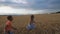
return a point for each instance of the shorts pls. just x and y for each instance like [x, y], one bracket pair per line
[9, 32]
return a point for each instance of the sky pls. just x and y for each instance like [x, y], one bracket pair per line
[29, 6]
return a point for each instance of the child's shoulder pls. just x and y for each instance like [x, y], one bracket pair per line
[8, 22]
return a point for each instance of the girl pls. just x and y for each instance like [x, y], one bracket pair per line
[31, 25]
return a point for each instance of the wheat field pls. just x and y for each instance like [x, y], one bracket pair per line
[45, 24]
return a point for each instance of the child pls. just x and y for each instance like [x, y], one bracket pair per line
[31, 25]
[8, 27]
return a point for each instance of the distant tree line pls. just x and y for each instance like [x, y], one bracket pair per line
[58, 12]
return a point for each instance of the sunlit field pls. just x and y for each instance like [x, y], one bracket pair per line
[45, 24]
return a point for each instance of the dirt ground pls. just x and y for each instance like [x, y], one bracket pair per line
[45, 24]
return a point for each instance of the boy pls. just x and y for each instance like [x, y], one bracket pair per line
[31, 25]
[8, 27]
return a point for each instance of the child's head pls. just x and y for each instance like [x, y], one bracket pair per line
[10, 18]
[32, 17]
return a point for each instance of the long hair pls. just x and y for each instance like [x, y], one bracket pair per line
[32, 17]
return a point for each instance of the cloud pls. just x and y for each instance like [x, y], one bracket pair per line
[34, 4]
[30, 6]
[2, 0]
[6, 10]
[46, 4]
[20, 1]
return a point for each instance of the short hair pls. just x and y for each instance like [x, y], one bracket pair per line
[9, 17]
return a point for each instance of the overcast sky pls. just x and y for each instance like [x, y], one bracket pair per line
[29, 6]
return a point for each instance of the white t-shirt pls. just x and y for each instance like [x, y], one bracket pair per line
[30, 26]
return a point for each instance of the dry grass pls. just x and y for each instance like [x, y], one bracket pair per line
[45, 24]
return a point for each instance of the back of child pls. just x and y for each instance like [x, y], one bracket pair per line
[31, 25]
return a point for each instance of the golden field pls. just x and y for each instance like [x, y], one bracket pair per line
[45, 24]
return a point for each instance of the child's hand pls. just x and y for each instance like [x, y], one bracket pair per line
[14, 28]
